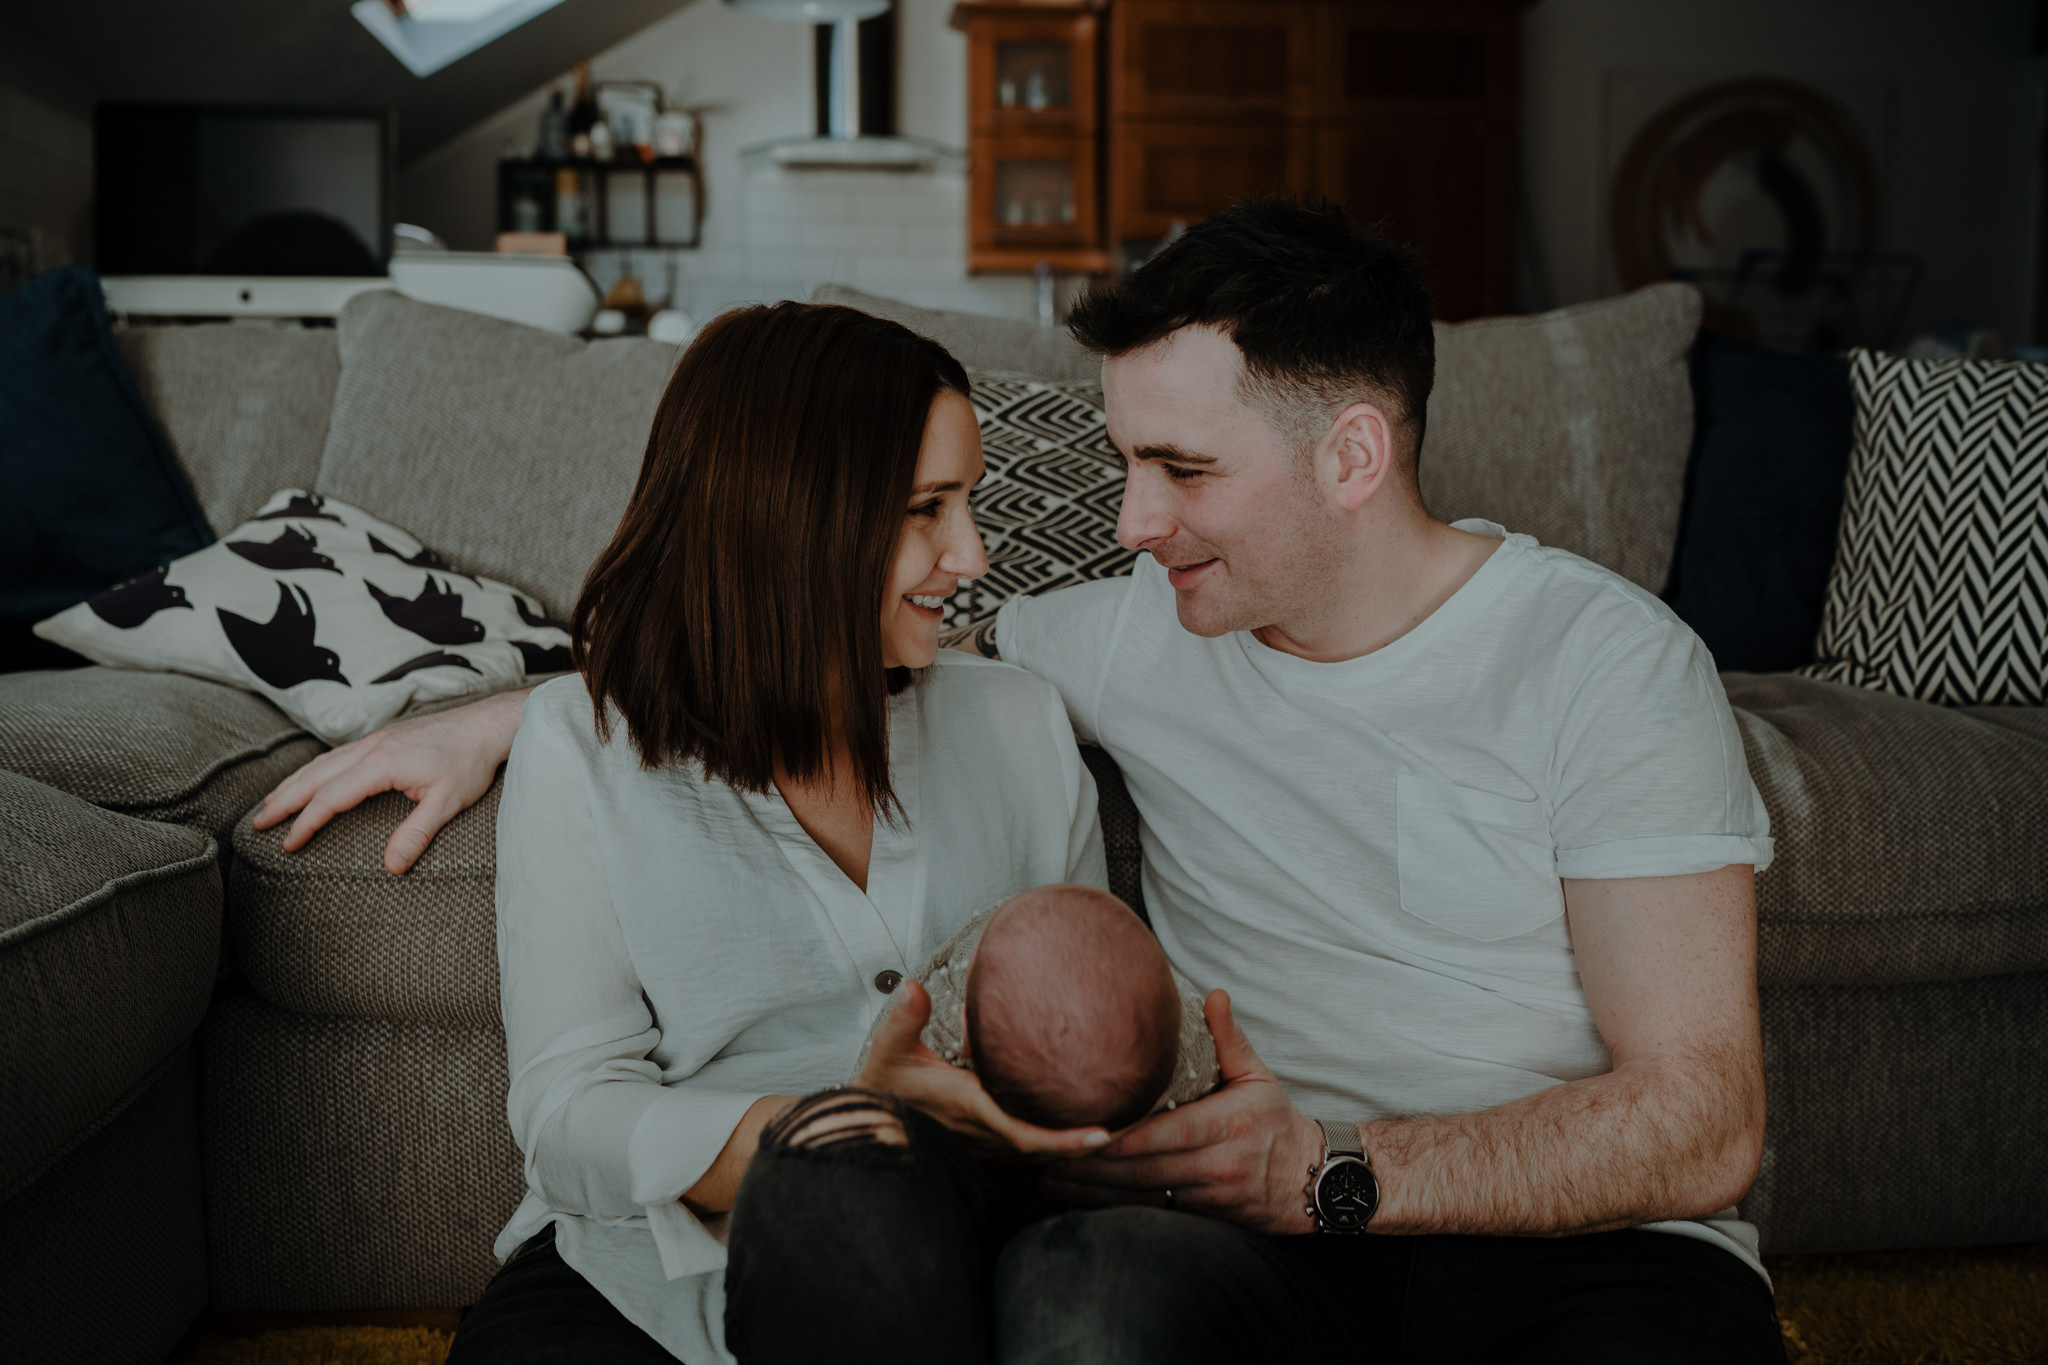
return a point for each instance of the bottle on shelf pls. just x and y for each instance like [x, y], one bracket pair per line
[554, 129]
[571, 216]
[582, 113]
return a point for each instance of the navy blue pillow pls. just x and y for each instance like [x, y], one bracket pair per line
[1763, 497]
[90, 494]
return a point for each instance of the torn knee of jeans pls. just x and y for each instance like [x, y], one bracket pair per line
[840, 1122]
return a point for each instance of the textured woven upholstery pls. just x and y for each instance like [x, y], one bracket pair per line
[1912, 839]
[351, 1163]
[327, 930]
[158, 746]
[510, 450]
[109, 932]
[1572, 426]
[1119, 818]
[103, 1256]
[1903, 1116]
[244, 407]
[978, 341]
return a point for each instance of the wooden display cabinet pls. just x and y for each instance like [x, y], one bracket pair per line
[1210, 59]
[1164, 174]
[1402, 110]
[1034, 102]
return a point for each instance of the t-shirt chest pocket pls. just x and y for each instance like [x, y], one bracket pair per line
[1475, 863]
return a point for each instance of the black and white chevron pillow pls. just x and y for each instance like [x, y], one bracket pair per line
[1940, 585]
[344, 621]
[1047, 507]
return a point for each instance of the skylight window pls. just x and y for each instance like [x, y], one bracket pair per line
[427, 35]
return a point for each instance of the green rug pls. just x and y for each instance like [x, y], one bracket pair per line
[1980, 1307]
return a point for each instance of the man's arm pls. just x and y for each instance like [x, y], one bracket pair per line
[1675, 1130]
[976, 639]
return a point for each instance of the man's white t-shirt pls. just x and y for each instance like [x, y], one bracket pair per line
[1367, 853]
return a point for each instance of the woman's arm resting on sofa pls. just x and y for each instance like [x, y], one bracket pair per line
[1675, 1130]
[444, 761]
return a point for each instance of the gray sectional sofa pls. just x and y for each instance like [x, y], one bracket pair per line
[275, 1081]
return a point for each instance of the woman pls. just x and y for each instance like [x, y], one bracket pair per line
[762, 800]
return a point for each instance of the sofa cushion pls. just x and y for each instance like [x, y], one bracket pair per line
[1047, 507]
[1572, 426]
[327, 930]
[158, 746]
[1941, 587]
[1912, 839]
[344, 622]
[89, 492]
[510, 450]
[1763, 500]
[351, 1163]
[243, 405]
[978, 341]
[109, 932]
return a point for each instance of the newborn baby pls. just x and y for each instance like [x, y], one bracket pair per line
[1062, 1002]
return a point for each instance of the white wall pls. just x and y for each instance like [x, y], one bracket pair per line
[766, 235]
[1959, 154]
[45, 155]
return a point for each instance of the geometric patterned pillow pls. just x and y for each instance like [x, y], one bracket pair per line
[1940, 585]
[343, 621]
[1047, 507]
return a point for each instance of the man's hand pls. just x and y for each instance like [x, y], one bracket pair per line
[1242, 1154]
[444, 761]
[901, 1065]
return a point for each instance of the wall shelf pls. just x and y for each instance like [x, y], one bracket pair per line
[530, 191]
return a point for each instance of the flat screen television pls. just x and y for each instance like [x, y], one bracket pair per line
[223, 190]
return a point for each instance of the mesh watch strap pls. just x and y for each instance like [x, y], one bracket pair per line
[1342, 1139]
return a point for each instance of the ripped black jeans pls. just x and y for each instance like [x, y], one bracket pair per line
[865, 1232]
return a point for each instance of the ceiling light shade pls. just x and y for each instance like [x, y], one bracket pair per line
[430, 34]
[811, 11]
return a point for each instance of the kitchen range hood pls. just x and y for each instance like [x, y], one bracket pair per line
[856, 94]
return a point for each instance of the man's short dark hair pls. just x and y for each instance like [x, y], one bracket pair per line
[1325, 312]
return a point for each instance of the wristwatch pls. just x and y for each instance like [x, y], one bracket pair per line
[1342, 1192]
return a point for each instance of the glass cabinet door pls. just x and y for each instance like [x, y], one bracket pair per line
[1034, 194]
[1035, 76]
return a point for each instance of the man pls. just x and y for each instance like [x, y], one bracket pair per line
[1464, 826]
[1461, 825]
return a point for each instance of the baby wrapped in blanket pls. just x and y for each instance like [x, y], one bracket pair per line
[1062, 1003]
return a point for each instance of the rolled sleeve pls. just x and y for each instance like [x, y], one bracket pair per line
[1650, 778]
[679, 1134]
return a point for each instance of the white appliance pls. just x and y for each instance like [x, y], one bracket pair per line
[541, 291]
[235, 296]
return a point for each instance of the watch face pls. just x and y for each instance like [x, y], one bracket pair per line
[1347, 1195]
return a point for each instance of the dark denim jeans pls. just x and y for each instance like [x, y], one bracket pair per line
[873, 1236]
[538, 1311]
[867, 1233]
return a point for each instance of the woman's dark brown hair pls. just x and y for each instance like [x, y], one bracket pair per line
[734, 619]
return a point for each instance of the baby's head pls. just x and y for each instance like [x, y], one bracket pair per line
[1073, 1019]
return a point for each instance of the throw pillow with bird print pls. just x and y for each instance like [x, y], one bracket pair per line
[341, 619]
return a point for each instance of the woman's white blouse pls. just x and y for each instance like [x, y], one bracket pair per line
[671, 949]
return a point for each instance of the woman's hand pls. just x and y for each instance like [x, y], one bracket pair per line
[444, 761]
[900, 1064]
